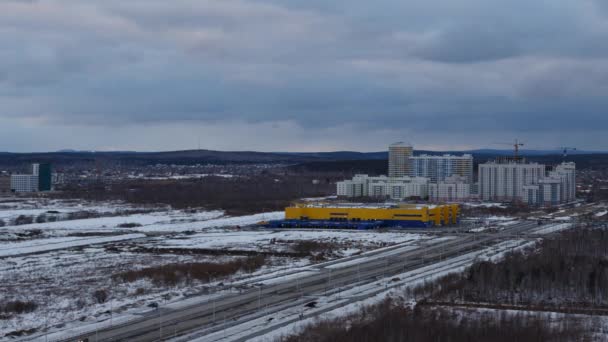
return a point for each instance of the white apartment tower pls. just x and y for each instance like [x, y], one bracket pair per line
[438, 168]
[505, 181]
[527, 182]
[566, 173]
[399, 160]
[35, 169]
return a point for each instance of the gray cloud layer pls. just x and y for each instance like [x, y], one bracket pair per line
[470, 69]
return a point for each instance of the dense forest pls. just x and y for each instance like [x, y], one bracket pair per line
[394, 322]
[568, 270]
[237, 195]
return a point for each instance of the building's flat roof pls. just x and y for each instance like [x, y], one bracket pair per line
[369, 205]
[443, 156]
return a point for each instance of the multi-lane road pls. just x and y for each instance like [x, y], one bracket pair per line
[234, 308]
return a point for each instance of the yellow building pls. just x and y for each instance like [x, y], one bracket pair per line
[406, 215]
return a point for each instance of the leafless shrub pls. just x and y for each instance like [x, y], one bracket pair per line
[173, 274]
[311, 246]
[18, 307]
[19, 333]
[100, 296]
[129, 225]
[42, 218]
[24, 219]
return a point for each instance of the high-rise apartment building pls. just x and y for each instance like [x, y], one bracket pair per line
[505, 181]
[566, 173]
[438, 168]
[43, 171]
[527, 182]
[399, 159]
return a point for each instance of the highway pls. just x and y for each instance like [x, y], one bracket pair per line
[230, 309]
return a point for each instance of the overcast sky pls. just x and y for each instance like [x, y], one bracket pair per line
[313, 75]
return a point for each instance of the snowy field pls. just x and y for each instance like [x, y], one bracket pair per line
[13, 207]
[349, 241]
[59, 265]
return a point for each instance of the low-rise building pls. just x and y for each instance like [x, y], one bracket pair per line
[549, 192]
[24, 183]
[397, 188]
[454, 188]
[313, 215]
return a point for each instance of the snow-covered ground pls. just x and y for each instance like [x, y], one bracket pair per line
[185, 176]
[67, 261]
[47, 245]
[169, 220]
[11, 208]
[59, 265]
[62, 283]
[553, 228]
[484, 205]
[161, 221]
[351, 241]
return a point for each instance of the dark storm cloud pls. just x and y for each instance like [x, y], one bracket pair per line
[466, 66]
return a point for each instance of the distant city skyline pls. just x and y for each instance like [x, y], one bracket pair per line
[269, 75]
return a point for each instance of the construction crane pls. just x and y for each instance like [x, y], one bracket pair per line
[565, 151]
[516, 146]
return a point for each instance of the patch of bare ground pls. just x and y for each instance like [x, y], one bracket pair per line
[7, 309]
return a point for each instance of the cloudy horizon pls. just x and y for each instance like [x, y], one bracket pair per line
[267, 75]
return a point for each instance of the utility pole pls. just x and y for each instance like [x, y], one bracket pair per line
[385, 267]
[160, 323]
[329, 280]
[259, 297]
[111, 319]
[46, 327]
